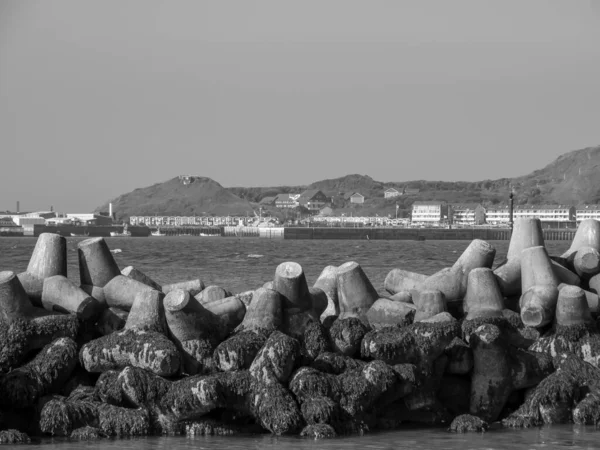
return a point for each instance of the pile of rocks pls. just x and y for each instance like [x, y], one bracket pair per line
[120, 355]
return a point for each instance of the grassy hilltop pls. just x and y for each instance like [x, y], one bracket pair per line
[573, 178]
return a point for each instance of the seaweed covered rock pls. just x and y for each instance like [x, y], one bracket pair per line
[320, 410]
[276, 360]
[143, 349]
[197, 356]
[499, 369]
[275, 408]
[141, 387]
[419, 344]
[314, 342]
[193, 397]
[116, 421]
[318, 431]
[13, 437]
[20, 336]
[108, 388]
[212, 427]
[238, 352]
[307, 383]
[346, 335]
[46, 373]
[59, 417]
[587, 411]
[553, 399]
[466, 423]
[335, 363]
[87, 433]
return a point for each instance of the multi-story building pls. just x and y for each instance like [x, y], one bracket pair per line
[466, 214]
[550, 215]
[429, 212]
[313, 200]
[177, 221]
[497, 215]
[584, 212]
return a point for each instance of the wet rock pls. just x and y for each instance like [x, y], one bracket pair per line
[108, 388]
[276, 360]
[197, 356]
[320, 410]
[238, 352]
[116, 421]
[276, 409]
[13, 437]
[455, 394]
[46, 373]
[315, 341]
[419, 344]
[83, 393]
[587, 411]
[211, 427]
[143, 349]
[468, 423]
[87, 433]
[20, 337]
[141, 387]
[335, 363]
[318, 431]
[553, 399]
[308, 382]
[59, 417]
[346, 335]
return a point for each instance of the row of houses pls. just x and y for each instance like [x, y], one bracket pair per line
[314, 199]
[439, 212]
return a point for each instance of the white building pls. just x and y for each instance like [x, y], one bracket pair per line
[429, 212]
[391, 192]
[587, 212]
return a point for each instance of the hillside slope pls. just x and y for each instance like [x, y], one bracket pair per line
[202, 196]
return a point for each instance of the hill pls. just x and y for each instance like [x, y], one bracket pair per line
[180, 196]
[570, 179]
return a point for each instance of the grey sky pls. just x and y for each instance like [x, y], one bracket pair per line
[98, 98]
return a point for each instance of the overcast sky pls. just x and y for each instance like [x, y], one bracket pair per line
[98, 98]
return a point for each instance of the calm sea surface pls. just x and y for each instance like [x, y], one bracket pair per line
[243, 264]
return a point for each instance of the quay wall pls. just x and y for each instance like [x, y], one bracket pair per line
[487, 234]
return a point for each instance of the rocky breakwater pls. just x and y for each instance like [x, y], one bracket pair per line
[120, 355]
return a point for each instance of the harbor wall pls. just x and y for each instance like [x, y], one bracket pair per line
[91, 230]
[487, 234]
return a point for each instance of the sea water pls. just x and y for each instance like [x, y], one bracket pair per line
[247, 263]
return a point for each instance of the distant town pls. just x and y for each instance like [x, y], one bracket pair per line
[313, 207]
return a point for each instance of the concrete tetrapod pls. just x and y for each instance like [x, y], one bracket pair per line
[386, 312]
[264, 314]
[587, 235]
[138, 275]
[356, 294]
[526, 233]
[147, 312]
[327, 282]
[483, 298]
[14, 301]
[290, 282]
[231, 310]
[194, 287]
[62, 295]
[586, 262]
[498, 370]
[539, 287]
[452, 281]
[121, 291]
[96, 263]
[592, 299]
[429, 303]
[194, 329]
[572, 307]
[398, 280]
[49, 258]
